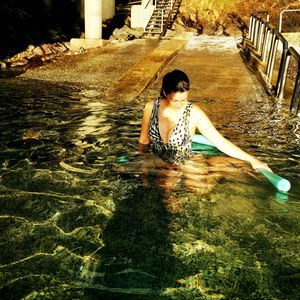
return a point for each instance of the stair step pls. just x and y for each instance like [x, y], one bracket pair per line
[153, 32]
[153, 27]
[162, 12]
[163, 7]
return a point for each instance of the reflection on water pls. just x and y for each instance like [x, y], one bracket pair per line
[78, 224]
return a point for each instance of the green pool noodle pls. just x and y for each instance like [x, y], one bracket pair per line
[280, 183]
[200, 139]
[204, 146]
[281, 197]
[122, 159]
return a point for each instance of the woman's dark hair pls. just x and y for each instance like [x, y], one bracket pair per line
[173, 82]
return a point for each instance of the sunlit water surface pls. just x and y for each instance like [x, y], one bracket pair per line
[84, 215]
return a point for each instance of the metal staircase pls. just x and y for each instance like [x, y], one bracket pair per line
[162, 18]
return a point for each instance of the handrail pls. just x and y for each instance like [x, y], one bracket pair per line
[293, 51]
[162, 20]
[133, 2]
[146, 9]
[256, 12]
[295, 103]
[258, 30]
[264, 40]
[281, 79]
[148, 4]
[281, 14]
[166, 23]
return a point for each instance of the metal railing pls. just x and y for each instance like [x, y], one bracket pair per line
[281, 14]
[295, 103]
[147, 4]
[276, 38]
[161, 17]
[169, 17]
[265, 41]
[257, 26]
[149, 9]
[165, 14]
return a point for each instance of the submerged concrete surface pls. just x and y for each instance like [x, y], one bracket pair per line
[77, 223]
[221, 83]
[98, 68]
[144, 72]
[124, 70]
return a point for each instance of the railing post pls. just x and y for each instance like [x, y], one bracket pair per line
[250, 27]
[282, 74]
[273, 58]
[253, 29]
[295, 103]
[260, 36]
[256, 33]
[266, 44]
[265, 41]
[272, 55]
[162, 21]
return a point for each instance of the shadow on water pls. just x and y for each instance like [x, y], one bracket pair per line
[77, 224]
[138, 255]
[70, 226]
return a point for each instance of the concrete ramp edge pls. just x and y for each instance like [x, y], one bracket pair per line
[144, 72]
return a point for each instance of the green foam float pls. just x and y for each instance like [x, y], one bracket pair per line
[122, 159]
[199, 143]
[204, 146]
[280, 183]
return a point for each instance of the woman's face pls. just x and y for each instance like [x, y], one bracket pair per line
[178, 99]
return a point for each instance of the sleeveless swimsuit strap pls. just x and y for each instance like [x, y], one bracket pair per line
[153, 129]
[179, 135]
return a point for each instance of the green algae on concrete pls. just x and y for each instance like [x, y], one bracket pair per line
[144, 72]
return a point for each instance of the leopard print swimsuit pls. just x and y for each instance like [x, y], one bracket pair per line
[178, 147]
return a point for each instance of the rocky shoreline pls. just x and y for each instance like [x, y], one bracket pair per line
[35, 56]
[218, 18]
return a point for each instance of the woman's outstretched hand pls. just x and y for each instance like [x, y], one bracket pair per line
[257, 165]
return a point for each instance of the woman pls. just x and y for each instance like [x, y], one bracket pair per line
[170, 121]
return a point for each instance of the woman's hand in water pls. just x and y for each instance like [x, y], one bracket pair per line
[257, 165]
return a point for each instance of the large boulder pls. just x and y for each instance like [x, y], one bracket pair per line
[126, 34]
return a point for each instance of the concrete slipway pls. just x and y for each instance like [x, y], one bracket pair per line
[123, 70]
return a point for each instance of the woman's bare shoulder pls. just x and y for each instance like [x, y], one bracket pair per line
[149, 105]
[197, 110]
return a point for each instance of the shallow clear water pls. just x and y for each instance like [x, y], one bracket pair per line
[78, 222]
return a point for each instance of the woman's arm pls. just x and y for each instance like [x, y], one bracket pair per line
[205, 126]
[144, 135]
